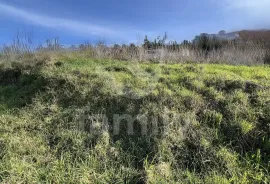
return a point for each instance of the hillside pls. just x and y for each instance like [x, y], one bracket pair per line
[200, 123]
[260, 36]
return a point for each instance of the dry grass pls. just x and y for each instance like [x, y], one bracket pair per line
[234, 54]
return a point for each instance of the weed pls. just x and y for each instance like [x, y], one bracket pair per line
[211, 123]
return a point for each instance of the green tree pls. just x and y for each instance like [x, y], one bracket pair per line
[146, 43]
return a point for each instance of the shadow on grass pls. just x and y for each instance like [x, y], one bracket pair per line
[137, 146]
[17, 89]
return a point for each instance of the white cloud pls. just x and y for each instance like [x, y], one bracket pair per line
[246, 14]
[259, 8]
[79, 27]
[249, 3]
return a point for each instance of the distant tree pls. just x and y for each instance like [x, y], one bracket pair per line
[146, 43]
[185, 42]
[116, 46]
[132, 45]
[161, 42]
[157, 43]
[165, 37]
[124, 46]
[207, 43]
[132, 48]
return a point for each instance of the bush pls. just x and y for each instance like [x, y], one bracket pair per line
[267, 59]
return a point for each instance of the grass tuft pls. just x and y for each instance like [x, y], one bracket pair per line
[204, 123]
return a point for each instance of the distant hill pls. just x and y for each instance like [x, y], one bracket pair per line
[262, 35]
[255, 35]
[223, 35]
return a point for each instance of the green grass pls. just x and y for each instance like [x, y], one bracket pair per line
[213, 123]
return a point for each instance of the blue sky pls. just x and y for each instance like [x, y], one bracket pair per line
[124, 21]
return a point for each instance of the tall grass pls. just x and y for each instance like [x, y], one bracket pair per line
[235, 54]
[213, 123]
[212, 120]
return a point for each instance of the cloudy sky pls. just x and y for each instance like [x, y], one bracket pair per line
[123, 21]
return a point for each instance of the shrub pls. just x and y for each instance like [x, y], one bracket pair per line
[267, 59]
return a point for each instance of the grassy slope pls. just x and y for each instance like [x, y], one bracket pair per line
[226, 140]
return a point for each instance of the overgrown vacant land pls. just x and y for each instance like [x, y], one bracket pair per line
[213, 123]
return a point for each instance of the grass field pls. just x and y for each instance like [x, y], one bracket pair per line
[213, 123]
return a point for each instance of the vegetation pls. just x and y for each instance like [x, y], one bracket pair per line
[160, 112]
[251, 48]
[213, 121]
